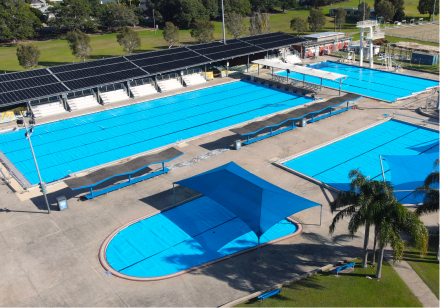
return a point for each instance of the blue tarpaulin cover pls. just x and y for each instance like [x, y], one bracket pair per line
[258, 203]
[409, 172]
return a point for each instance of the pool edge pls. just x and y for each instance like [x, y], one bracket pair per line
[102, 250]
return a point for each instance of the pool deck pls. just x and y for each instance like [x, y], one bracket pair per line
[52, 260]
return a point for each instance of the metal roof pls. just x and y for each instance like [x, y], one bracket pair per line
[322, 34]
[301, 69]
[31, 85]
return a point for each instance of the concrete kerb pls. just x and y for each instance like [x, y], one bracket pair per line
[308, 274]
[107, 266]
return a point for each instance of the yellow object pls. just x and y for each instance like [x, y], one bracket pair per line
[209, 75]
[8, 116]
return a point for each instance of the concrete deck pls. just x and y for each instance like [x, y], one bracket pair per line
[52, 260]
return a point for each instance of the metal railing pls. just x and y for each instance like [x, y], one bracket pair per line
[140, 82]
[192, 71]
[111, 87]
[167, 77]
[46, 100]
[81, 93]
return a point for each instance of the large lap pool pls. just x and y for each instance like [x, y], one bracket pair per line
[382, 85]
[186, 236]
[84, 142]
[332, 163]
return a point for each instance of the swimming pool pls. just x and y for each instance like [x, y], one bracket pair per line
[183, 237]
[84, 142]
[382, 85]
[332, 163]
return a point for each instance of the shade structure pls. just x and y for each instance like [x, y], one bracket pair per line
[409, 172]
[255, 201]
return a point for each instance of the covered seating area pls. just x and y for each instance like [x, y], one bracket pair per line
[302, 70]
[129, 168]
[280, 123]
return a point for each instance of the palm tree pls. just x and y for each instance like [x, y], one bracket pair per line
[392, 219]
[362, 202]
[431, 198]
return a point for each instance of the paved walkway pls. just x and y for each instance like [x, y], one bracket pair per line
[414, 282]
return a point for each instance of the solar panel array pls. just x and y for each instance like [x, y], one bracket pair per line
[30, 85]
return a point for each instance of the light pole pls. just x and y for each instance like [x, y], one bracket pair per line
[42, 184]
[223, 21]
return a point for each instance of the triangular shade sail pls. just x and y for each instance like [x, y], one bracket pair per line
[258, 203]
[409, 172]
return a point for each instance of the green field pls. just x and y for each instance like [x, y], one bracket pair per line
[57, 52]
[428, 267]
[348, 290]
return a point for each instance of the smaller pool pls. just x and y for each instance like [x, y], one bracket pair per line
[186, 236]
[378, 84]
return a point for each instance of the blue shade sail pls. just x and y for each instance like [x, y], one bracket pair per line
[256, 202]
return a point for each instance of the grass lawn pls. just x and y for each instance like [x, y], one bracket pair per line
[57, 52]
[428, 267]
[347, 290]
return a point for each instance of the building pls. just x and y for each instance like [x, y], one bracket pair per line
[319, 44]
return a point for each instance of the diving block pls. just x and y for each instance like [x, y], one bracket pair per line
[127, 169]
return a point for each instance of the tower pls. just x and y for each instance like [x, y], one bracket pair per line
[374, 33]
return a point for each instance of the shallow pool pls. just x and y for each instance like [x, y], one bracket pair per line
[189, 235]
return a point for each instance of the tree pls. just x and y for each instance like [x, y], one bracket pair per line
[393, 219]
[316, 19]
[430, 192]
[171, 34]
[211, 7]
[298, 24]
[399, 9]
[361, 201]
[259, 24]
[287, 4]
[234, 24]
[180, 12]
[427, 7]
[73, 14]
[17, 22]
[111, 14]
[139, 13]
[360, 12]
[28, 55]
[385, 9]
[79, 44]
[203, 31]
[42, 17]
[129, 39]
[242, 7]
[341, 15]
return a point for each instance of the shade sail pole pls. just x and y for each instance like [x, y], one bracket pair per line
[381, 166]
[259, 256]
[340, 81]
[174, 193]
[320, 219]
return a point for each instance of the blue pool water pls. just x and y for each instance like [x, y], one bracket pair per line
[80, 143]
[331, 164]
[191, 234]
[382, 85]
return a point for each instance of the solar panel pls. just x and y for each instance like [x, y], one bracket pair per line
[260, 36]
[222, 48]
[104, 79]
[26, 83]
[278, 44]
[152, 54]
[30, 94]
[85, 65]
[23, 75]
[213, 44]
[95, 71]
[166, 58]
[176, 65]
[234, 53]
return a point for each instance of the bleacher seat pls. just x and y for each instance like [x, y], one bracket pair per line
[168, 85]
[143, 90]
[114, 96]
[49, 109]
[193, 79]
[82, 102]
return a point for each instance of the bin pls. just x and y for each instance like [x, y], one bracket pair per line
[62, 203]
[237, 144]
[302, 122]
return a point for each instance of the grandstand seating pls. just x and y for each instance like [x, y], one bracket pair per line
[143, 90]
[45, 110]
[168, 85]
[114, 96]
[82, 102]
[193, 79]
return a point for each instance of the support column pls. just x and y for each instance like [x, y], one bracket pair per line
[321, 85]
[258, 66]
[320, 217]
[304, 80]
[248, 65]
[371, 54]
[340, 81]
[361, 49]
[381, 166]
[272, 72]
[316, 51]
[206, 78]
